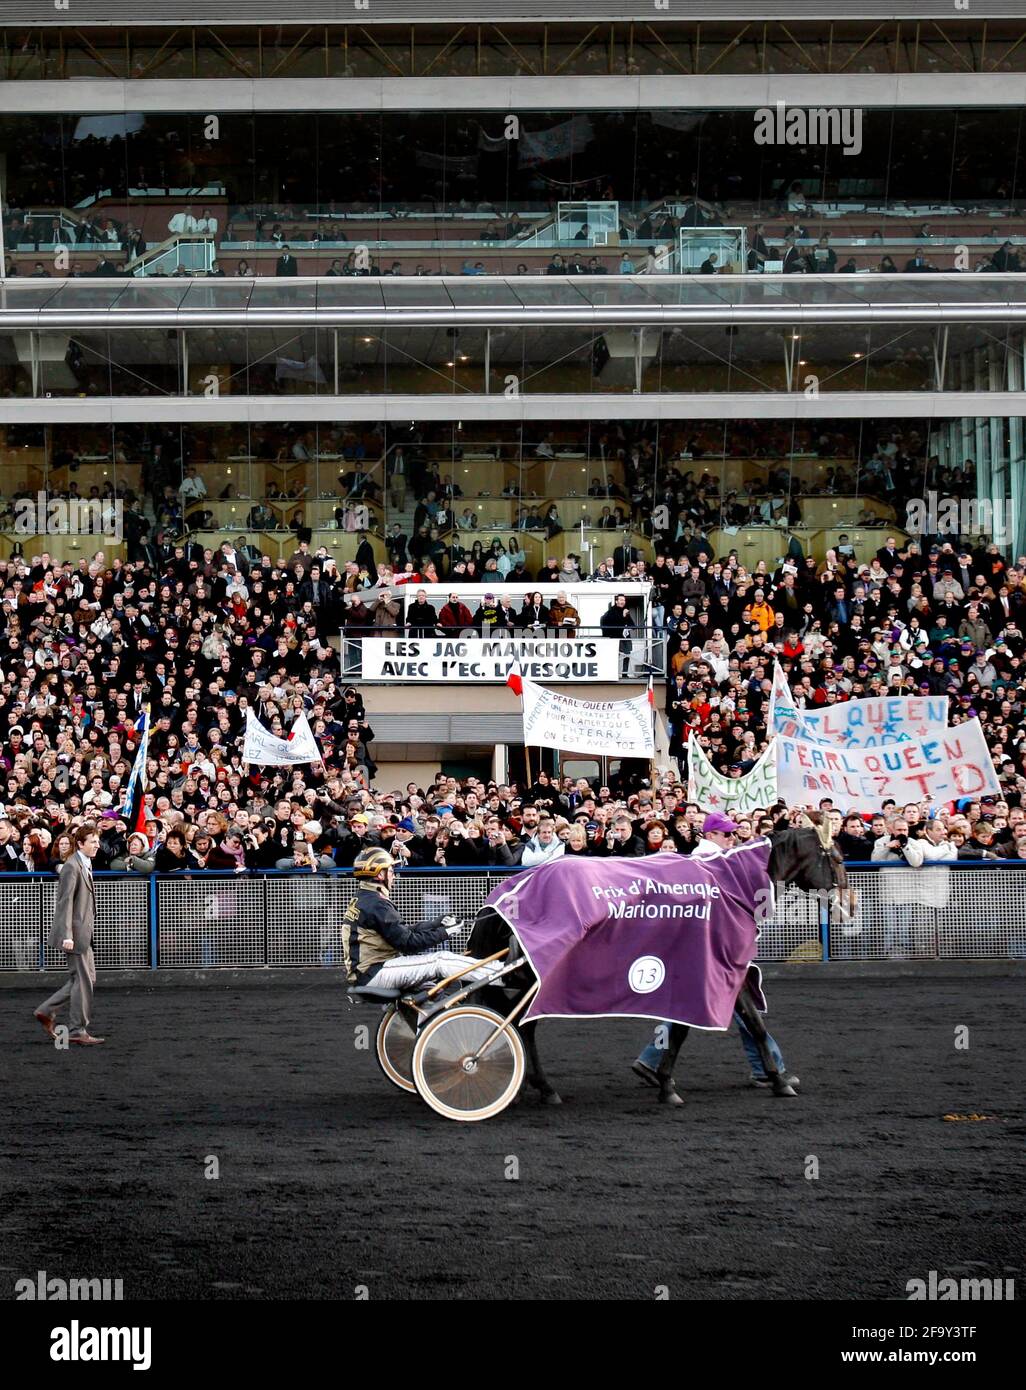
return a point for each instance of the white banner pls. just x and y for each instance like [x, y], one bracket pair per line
[489, 659]
[875, 722]
[617, 728]
[755, 791]
[954, 764]
[267, 750]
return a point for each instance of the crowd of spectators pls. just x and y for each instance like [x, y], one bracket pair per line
[203, 636]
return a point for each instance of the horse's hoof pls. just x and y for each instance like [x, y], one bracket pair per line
[670, 1098]
[787, 1092]
[550, 1098]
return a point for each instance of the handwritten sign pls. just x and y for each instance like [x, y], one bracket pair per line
[617, 728]
[954, 764]
[267, 750]
[756, 791]
[870, 723]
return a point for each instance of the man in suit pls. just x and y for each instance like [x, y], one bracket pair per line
[624, 556]
[314, 590]
[74, 912]
[888, 554]
[286, 263]
[918, 264]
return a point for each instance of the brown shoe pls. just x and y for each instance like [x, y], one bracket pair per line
[86, 1040]
[47, 1021]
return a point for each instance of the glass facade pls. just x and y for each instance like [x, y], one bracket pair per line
[496, 464]
[465, 192]
[460, 490]
[510, 364]
[850, 46]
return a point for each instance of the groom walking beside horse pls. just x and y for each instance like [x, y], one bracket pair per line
[719, 835]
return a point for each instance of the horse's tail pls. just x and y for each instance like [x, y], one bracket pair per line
[490, 933]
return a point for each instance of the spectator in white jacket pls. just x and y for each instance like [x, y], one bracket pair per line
[193, 488]
[913, 897]
[183, 223]
[543, 847]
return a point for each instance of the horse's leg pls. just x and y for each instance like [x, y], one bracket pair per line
[547, 1093]
[667, 1087]
[753, 1022]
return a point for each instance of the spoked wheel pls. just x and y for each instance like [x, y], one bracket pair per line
[453, 1078]
[395, 1049]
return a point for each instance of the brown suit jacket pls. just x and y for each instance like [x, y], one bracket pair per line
[74, 908]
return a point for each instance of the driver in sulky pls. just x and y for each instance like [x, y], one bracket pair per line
[380, 950]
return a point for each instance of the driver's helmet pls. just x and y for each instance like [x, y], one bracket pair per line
[373, 864]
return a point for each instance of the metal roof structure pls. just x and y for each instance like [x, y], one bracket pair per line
[440, 12]
[533, 301]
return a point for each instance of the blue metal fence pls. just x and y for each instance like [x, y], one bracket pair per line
[252, 919]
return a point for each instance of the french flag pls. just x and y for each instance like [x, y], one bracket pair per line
[134, 808]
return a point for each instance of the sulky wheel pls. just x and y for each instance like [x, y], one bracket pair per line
[395, 1049]
[453, 1078]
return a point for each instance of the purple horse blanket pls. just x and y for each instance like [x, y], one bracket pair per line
[664, 937]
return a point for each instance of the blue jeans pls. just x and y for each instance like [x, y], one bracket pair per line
[653, 1054]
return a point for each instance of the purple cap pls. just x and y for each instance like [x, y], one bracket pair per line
[715, 820]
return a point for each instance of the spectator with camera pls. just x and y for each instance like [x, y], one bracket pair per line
[912, 898]
[304, 851]
[543, 847]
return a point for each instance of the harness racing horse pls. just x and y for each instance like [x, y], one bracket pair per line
[805, 857]
[492, 933]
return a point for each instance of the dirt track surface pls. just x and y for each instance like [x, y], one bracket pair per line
[331, 1179]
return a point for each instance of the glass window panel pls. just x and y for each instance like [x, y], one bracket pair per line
[75, 364]
[145, 362]
[218, 294]
[835, 356]
[218, 361]
[282, 293]
[15, 374]
[558, 360]
[154, 294]
[412, 293]
[474, 291]
[901, 358]
[359, 293]
[288, 361]
[15, 294]
[423, 360]
[361, 361]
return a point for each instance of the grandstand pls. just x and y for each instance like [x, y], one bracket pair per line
[489, 297]
[358, 356]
